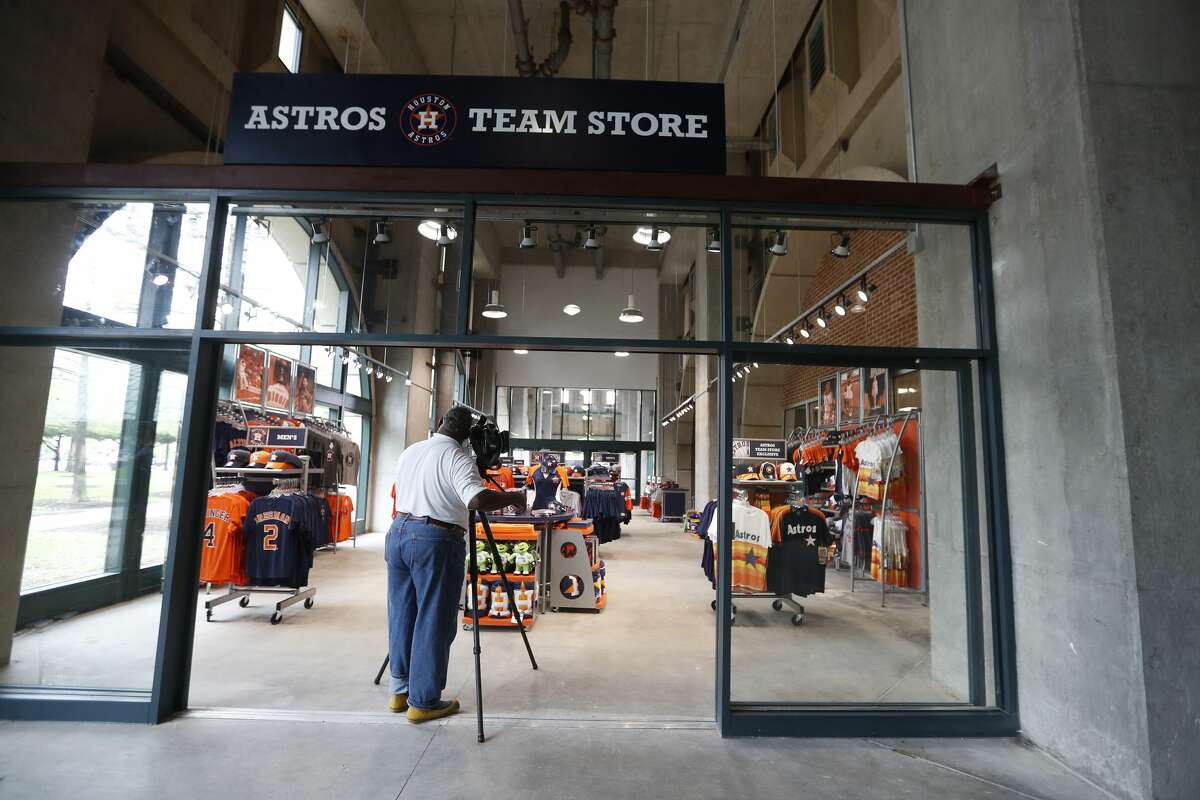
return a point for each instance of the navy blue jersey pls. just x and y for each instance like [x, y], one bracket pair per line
[796, 563]
[279, 535]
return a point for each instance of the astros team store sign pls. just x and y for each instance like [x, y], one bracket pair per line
[436, 121]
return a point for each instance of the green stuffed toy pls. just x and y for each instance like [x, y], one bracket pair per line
[523, 558]
[483, 559]
[505, 559]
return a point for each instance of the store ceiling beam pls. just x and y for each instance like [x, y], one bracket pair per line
[944, 202]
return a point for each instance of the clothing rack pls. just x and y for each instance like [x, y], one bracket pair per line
[281, 479]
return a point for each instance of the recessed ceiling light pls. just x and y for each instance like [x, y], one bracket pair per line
[160, 280]
[521, 351]
[571, 309]
[621, 354]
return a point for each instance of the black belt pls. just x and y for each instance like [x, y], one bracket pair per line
[430, 520]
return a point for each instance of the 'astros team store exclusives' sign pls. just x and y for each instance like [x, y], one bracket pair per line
[435, 121]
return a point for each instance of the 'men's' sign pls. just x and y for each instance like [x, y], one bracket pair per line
[435, 121]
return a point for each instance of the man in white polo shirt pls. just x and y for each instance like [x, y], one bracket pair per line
[437, 483]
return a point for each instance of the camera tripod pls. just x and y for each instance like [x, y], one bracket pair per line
[474, 601]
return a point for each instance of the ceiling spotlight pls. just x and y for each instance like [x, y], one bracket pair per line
[592, 242]
[839, 307]
[778, 246]
[227, 308]
[822, 320]
[494, 310]
[528, 237]
[621, 354]
[160, 280]
[655, 244]
[383, 233]
[571, 309]
[631, 313]
[644, 234]
[842, 247]
[788, 338]
[407, 380]
[379, 372]
[521, 351]
[320, 234]
[756, 365]
[864, 290]
[388, 378]
[804, 331]
[437, 231]
[714, 240]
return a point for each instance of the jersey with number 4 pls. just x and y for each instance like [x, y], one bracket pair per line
[279, 540]
[223, 542]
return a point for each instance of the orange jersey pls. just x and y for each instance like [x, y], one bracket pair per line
[503, 477]
[223, 546]
[341, 516]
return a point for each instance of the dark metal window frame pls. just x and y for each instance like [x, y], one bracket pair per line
[961, 205]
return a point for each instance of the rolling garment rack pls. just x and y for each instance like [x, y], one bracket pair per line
[280, 478]
[778, 600]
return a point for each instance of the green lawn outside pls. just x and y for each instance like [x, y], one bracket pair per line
[54, 488]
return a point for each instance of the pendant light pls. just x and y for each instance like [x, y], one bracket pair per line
[528, 237]
[779, 246]
[592, 242]
[655, 245]
[841, 248]
[714, 240]
[383, 233]
[437, 231]
[320, 234]
[631, 313]
[643, 234]
[494, 310]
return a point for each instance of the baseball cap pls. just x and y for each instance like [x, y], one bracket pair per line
[239, 457]
[284, 460]
[259, 458]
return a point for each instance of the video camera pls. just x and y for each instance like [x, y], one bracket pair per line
[488, 442]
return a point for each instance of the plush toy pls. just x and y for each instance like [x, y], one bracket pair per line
[524, 599]
[499, 603]
[523, 558]
[478, 597]
[482, 558]
[505, 563]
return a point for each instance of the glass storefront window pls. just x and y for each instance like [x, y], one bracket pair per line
[327, 310]
[549, 420]
[559, 413]
[601, 421]
[575, 413]
[522, 412]
[628, 419]
[168, 429]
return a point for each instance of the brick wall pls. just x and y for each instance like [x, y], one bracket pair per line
[890, 319]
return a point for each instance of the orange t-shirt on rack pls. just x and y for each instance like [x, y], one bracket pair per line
[341, 516]
[223, 546]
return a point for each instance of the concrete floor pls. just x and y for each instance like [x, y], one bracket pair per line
[387, 758]
[648, 655]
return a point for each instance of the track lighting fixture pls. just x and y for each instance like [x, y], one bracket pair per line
[407, 380]
[822, 320]
[841, 247]
[160, 280]
[320, 234]
[345, 358]
[756, 365]
[571, 309]
[226, 308]
[804, 329]
[379, 372]
[788, 338]
[383, 233]
[714, 240]
[864, 290]
[388, 378]
[839, 306]
[778, 246]
[494, 309]
[592, 242]
[631, 313]
[528, 236]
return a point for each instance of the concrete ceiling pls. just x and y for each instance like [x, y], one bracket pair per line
[744, 44]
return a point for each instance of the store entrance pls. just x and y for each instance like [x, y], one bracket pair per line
[613, 590]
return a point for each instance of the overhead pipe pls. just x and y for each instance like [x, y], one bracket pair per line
[603, 35]
[555, 243]
[524, 58]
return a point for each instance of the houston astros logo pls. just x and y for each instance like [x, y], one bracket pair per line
[428, 119]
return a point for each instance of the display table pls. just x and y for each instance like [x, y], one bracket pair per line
[543, 525]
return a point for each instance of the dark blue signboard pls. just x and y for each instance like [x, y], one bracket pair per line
[439, 121]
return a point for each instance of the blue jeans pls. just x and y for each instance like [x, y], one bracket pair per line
[425, 577]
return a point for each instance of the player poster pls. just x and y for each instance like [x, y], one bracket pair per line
[306, 390]
[827, 391]
[850, 386]
[875, 398]
[248, 375]
[279, 384]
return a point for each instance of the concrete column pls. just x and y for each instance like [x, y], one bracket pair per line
[1090, 114]
[48, 118]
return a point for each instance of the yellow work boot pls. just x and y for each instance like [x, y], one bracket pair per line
[444, 708]
[398, 702]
